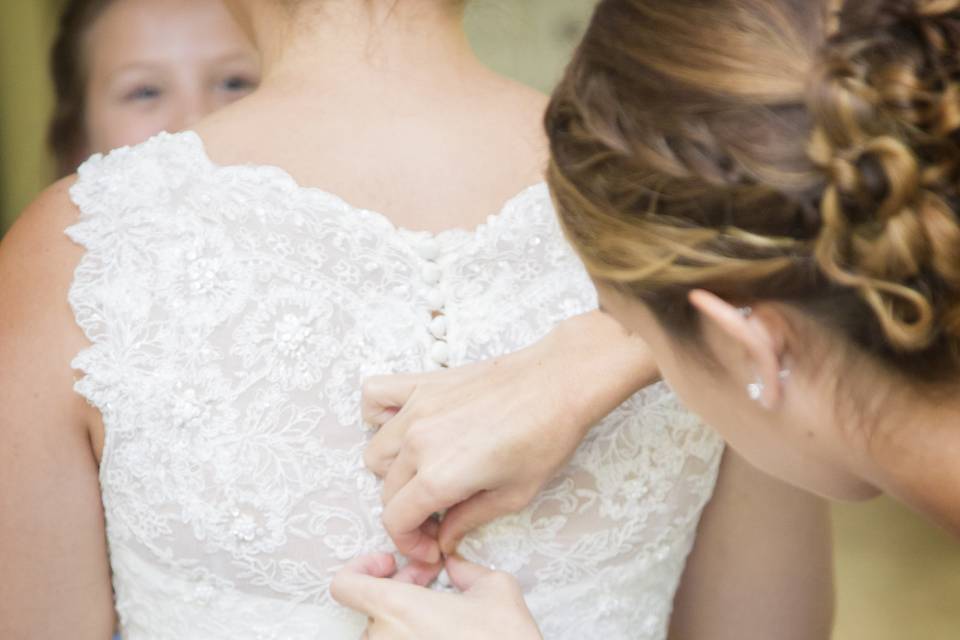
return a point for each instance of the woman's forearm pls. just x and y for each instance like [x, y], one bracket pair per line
[606, 365]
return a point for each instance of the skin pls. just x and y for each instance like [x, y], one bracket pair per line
[162, 66]
[395, 115]
[52, 541]
[394, 111]
[839, 425]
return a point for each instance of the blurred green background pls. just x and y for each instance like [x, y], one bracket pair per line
[26, 27]
[898, 577]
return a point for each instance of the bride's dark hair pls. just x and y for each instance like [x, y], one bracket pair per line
[768, 150]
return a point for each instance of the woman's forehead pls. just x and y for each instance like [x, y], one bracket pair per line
[150, 32]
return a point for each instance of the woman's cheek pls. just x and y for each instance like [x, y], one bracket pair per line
[224, 98]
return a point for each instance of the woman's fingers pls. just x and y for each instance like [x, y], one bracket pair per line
[491, 605]
[359, 584]
[365, 586]
[383, 396]
[400, 473]
[464, 574]
[491, 586]
[419, 573]
[387, 443]
[373, 597]
[413, 505]
[376, 565]
[373, 586]
[472, 513]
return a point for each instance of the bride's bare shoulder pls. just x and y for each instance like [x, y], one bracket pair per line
[51, 207]
[38, 334]
[36, 252]
[37, 261]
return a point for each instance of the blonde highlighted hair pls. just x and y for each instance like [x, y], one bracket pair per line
[783, 150]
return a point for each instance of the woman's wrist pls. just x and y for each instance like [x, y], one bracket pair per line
[601, 365]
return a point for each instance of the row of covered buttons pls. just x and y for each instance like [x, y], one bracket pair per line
[429, 250]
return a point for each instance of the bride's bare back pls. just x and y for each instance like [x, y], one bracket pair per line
[385, 105]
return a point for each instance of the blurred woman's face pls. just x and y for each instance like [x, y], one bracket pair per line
[161, 65]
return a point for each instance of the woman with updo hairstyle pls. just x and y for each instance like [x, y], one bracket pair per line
[775, 211]
[766, 192]
[124, 70]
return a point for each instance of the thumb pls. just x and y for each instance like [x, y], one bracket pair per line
[359, 586]
[375, 565]
[470, 514]
[383, 396]
[465, 574]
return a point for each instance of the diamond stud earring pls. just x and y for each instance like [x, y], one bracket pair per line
[755, 389]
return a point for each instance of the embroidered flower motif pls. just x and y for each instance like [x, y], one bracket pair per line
[202, 279]
[291, 337]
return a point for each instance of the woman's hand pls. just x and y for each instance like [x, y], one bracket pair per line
[481, 441]
[490, 607]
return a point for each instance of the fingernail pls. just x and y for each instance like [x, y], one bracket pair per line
[430, 555]
[451, 548]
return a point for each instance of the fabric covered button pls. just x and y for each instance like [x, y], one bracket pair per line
[438, 327]
[440, 353]
[436, 299]
[431, 274]
[429, 249]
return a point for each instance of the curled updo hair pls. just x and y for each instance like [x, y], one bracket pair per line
[66, 135]
[772, 150]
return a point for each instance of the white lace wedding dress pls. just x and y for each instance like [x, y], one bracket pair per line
[232, 316]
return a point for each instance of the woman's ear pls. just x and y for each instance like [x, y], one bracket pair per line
[760, 333]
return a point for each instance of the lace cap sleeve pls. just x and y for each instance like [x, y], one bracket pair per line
[123, 198]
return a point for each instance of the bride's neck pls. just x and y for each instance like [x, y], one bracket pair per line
[321, 43]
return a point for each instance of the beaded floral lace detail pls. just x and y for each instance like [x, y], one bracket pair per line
[232, 316]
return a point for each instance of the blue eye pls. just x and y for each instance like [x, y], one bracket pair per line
[143, 93]
[238, 83]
